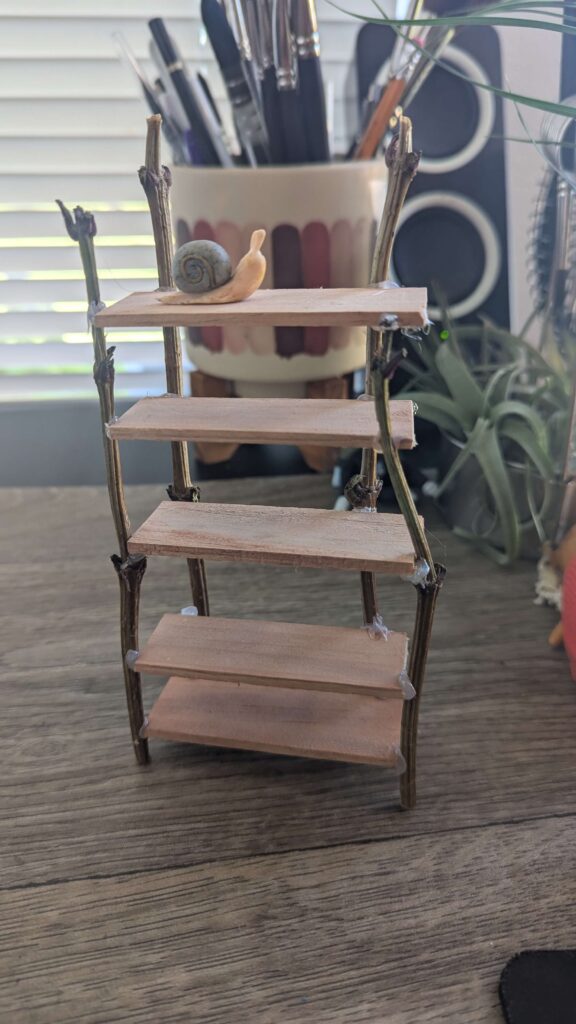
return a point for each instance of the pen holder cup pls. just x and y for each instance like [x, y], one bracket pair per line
[320, 222]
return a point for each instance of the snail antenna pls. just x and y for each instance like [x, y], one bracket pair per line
[257, 239]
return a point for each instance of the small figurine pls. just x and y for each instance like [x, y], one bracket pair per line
[563, 559]
[203, 273]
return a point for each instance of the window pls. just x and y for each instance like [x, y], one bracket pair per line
[72, 125]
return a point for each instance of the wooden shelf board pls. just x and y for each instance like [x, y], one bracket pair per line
[329, 422]
[302, 537]
[294, 722]
[298, 307]
[283, 654]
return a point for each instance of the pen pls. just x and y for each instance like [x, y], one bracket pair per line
[205, 149]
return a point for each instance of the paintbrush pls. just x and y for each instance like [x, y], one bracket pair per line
[398, 57]
[310, 84]
[435, 41]
[268, 86]
[172, 132]
[293, 135]
[247, 119]
[378, 123]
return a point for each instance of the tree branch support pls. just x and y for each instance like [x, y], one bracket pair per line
[402, 165]
[381, 364]
[130, 569]
[156, 181]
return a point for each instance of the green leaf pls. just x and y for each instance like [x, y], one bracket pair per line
[513, 408]
[461, 385]
[497, 386]
[524, 437]
[471, 20]
[475, 21]
[438, 409]
[537, 515]
[484, 546]
[492, 463]
[464, 454]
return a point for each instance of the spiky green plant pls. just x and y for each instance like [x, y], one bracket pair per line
[506, 406]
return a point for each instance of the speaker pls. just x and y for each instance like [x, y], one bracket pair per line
[452, 235]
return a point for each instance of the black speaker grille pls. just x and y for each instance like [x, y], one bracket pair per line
[442, 247]
[456, 117]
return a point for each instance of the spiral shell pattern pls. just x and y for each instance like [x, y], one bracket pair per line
[201, 267]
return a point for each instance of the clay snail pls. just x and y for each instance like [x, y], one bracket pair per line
[203, 273]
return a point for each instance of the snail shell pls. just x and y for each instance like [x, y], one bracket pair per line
[201, 266]
[240, 285]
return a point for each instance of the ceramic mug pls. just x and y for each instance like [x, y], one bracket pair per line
[320, 221]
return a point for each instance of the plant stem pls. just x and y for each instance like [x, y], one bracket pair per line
[156, 180]
[130, 569]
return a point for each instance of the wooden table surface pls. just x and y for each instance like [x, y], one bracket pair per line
[218, 887]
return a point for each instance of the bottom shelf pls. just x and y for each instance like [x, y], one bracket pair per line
[301, 723]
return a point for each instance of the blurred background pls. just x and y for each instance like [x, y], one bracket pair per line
[72, 125]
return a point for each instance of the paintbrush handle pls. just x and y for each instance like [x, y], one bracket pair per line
[379, 121]
[296, 151]
[204, 145]
[272, 118]
[313, 102]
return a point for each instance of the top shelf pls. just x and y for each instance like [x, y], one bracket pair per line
[283, 307]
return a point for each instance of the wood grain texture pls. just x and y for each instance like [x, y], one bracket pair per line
[286, 307]
[218, 885]
[323, 458]
[327, 658]
[340, 423]
[205, 388]
[311, 538]
[329, 726]
[407, 931]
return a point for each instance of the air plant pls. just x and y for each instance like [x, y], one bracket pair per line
[503, 404]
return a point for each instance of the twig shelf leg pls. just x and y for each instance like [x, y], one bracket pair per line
[156, 180]
[428, 589]
[402, 165]
[130, 569]
[381, 364]
[369, 488]
[427, 594]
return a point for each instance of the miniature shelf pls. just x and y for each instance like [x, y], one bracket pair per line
[302, 537]
[284, 654]
[330, 726]
[303, 690]
[339, 423]
[288, 307]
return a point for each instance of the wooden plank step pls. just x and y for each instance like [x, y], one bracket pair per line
[334, 727]
[297, 307]
[282, 654]
[303, 537]
[329, 422]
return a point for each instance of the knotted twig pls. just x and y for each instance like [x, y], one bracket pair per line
[156, 181]
[402, 165]
[130, 569]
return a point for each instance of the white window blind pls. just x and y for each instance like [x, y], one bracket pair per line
[72, 126]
